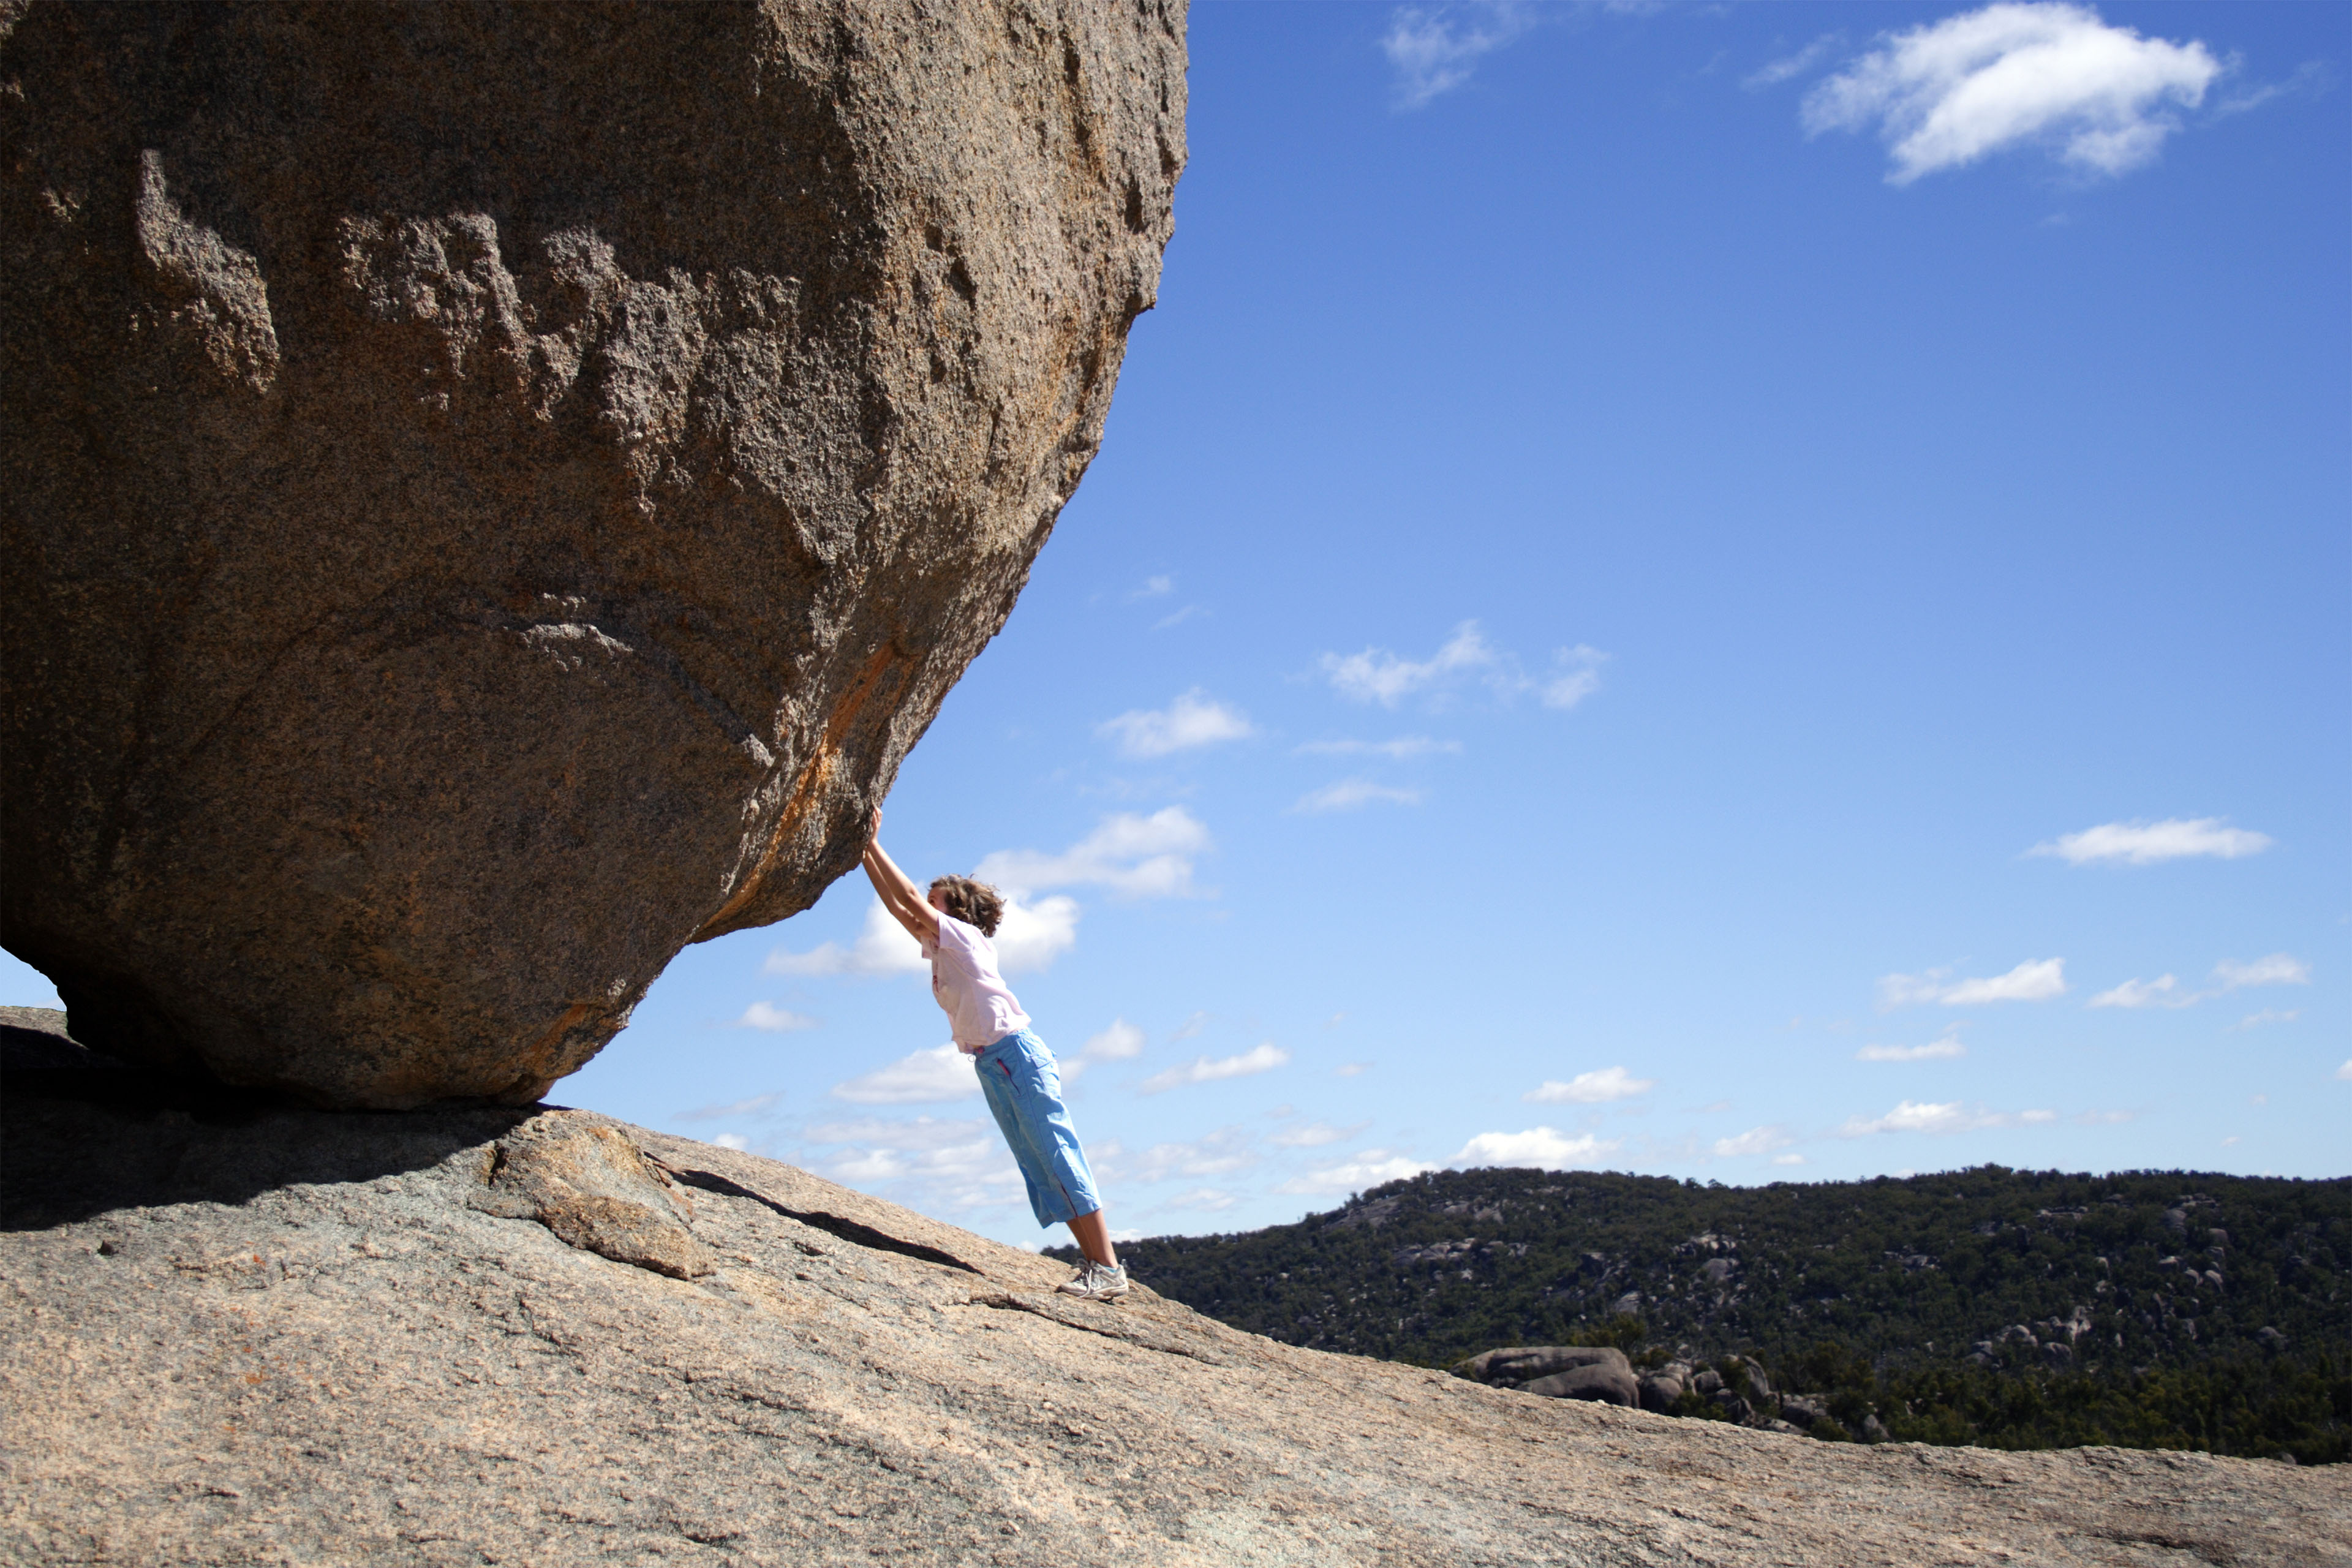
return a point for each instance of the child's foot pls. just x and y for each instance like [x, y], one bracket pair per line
[1096, 1282]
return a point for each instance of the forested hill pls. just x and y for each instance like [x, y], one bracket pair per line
[1977, 1285]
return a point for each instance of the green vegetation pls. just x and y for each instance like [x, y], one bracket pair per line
[2003, 1307]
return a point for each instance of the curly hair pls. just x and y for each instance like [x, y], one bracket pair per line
[975, 903]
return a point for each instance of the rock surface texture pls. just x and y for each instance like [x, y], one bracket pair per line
[492, 492]
[237, 1336]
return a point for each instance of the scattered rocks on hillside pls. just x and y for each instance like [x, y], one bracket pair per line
[495, 491]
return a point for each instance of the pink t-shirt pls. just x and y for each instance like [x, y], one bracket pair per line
[965, 983]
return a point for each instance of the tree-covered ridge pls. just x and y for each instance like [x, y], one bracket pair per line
[2159, 1309]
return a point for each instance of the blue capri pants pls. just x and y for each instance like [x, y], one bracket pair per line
[1023, 1086]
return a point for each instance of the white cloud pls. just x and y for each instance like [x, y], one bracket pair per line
[1798, 64]
[925, 1077]
[1376, 675]
[1942, 1046]
[2346, 1070]
[767, 1016]
[1912, 1116]
[1348, 794]
[1538, 1146]
[1220, 1153]
[1315, 1135]
[751, 1107]
[1192, 1025]
[1788, 1159]
[2278, 969]
[1178, 617]
[1116, 1044]
[1208, 1198]
[735, 1141]
[2268, 1015]
[2035, 980]
[1399, 750]
[1030, 936]
[1576, 675]
[1948, 93]
[2103, 1118]
[1193, 719]
[1204, 1069]
[1755, 1141]
[2147, 843]
[920, 1135]
[1349, 1069]
[1592, 1088]
[1434, 49]
[1379, 676]
[2159, 992]
[1368, 1169]
[1134, 856]
[1154, 588]
[882, 948]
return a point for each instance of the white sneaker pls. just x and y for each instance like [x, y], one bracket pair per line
[1096, 1282]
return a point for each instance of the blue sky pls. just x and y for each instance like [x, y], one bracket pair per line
[1750, 593]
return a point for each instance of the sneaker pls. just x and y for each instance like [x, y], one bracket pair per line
[1096, 1282]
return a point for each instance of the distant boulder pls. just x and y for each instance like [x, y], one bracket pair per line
[1607, 1383]
[1516, 1366]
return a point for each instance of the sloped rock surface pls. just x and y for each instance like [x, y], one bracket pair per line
[493, 493]
[231, 1335]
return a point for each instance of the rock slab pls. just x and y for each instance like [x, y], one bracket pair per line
[493, 493]
[231, 1335]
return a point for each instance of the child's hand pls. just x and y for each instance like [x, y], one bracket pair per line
[874, 827]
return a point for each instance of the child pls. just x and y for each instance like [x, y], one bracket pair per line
[953, 922]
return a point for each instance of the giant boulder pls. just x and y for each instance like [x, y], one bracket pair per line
[492, 493]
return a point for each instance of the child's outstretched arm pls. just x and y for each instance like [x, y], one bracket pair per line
[897, 891]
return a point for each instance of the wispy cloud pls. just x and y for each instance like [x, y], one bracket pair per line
[732, 1111]
[1944, 1046]
[1190, 721]
[2035, 980]
[1211, 1199]
[768, 1016]
[1792, 66]
[1154, 588]
[1542, 1147]
[1117, 1043]
[1575, 675]
[1435, 48]
[1914, 1116]
[2346, 1070]
[1951, 93]
[1597, 1088]
[2161, 992]
[1134, 856]
[1755, 1141]
[1377, 675]
[1220, 1153]
[1348, 794]
[923, 1077]
[2278, 969]
[1209, 1069]
[2268, 1015]
[2311, 76]
[1315, 1135]
[1349, 1069]
[1368, 1169]
[1401, 749]
[2147, 843]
